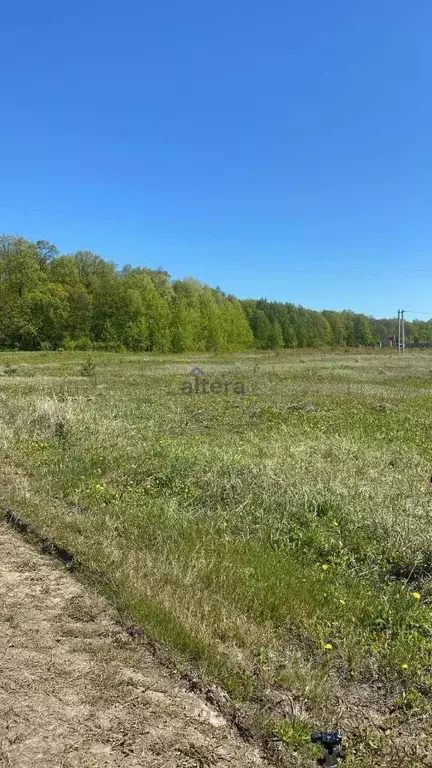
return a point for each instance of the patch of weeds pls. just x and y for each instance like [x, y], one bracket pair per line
[88, 368]
[61, 429]
[411, 572]
[49, 418]
[304, 681]
[9, 369]
[411, 700]
[294, 733]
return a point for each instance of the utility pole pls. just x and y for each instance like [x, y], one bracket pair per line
[403, 330]
[399, 331]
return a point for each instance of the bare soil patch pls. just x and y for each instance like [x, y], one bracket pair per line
[76, 690]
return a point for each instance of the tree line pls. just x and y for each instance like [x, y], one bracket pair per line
[81, 301]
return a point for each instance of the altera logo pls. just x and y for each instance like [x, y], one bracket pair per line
[200, 385]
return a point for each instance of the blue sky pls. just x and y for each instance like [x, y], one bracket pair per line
[277, 148]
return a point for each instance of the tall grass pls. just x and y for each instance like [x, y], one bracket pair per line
[275, 541]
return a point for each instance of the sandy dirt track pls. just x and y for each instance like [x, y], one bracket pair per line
[76, 690]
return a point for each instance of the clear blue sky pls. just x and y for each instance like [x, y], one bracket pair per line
[274, 148]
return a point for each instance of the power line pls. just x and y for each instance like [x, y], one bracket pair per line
[124, 220]
[72, 214]
[326, 266]
[415, 312]
[401, 326]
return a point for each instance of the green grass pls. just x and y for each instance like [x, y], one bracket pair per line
[273, 540]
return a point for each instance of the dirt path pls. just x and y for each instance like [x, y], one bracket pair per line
[75, 690]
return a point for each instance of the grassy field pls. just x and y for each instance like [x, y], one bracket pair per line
[278, 540]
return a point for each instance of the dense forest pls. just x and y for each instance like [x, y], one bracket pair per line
[81, 301]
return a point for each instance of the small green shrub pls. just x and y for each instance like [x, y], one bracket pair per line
[88, 368]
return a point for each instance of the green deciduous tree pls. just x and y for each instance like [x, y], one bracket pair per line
[81, 300]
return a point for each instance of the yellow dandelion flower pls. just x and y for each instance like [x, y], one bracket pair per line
[416, 595]
[325, 567]
[404, 666]
[328, 647]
